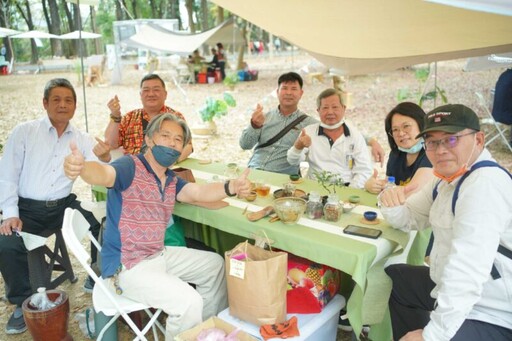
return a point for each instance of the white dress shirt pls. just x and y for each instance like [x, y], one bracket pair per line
[348, 156]
[32, 164]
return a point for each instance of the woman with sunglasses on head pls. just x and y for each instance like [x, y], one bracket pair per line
[407, 160]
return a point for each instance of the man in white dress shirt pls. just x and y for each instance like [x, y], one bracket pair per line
[34, 192]
[333, 145]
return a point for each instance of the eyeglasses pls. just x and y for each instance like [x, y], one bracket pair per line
[447, 142]
[406, 128]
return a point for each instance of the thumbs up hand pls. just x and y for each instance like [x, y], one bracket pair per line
[242, 185]
[74, 162]
[395, 196]
[373, 184]
[303, 141]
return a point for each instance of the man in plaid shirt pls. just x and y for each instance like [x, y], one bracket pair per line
[128, 131]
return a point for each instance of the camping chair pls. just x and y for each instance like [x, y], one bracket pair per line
[497, 130]
[104, 298]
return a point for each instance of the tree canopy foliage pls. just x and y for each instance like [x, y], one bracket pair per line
[60, 16]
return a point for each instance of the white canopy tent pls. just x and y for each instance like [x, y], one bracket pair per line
[155, 38]
[80, 35]
[4, 32]
[361, 37]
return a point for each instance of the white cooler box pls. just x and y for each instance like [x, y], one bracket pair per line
[312, 327]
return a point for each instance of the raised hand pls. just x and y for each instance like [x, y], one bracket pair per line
[102, 150]
[74, 162]
[242, 185]
[373, 184]
[258, 117]
[114, 106]
[303, 141]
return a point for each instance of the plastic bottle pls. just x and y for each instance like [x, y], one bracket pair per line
[390, 183]
[41, 301]
[314, 207]
[333, 208]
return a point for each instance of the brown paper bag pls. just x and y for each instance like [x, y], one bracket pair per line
[256, 280]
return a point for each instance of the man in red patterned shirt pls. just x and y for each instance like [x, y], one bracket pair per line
[128, 131]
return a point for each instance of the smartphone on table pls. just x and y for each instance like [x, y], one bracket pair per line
[361, 231]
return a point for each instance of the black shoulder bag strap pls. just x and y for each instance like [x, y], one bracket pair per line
[282, 132]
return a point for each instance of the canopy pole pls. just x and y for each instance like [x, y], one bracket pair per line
[80, 49]
[435, 84]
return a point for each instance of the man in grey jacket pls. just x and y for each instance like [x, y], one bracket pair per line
[466, 293]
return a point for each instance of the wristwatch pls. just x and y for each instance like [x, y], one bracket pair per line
[116, 119]
[226, 189]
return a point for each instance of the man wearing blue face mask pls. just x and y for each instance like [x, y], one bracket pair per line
[141, 197]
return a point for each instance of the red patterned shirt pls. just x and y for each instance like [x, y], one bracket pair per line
[131, 128]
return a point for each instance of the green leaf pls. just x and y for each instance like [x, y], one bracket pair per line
[422, 74]
[403, 94]
[230, 100]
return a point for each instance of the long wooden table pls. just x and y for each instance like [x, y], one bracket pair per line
[317, 240]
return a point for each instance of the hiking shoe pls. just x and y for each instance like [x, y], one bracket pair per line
[16, 323]
[89, 285]
[344, 323]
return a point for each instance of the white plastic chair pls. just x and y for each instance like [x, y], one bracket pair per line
[75, 228]
[497, 130]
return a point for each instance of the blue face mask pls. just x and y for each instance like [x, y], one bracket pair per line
[414, 149]
[165, 156]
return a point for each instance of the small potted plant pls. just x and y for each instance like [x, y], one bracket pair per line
[329, 181]
[231, 80]
[214, 108]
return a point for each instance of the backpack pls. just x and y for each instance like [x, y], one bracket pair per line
[486, 163]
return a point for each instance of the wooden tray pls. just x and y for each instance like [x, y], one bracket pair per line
[368, 222]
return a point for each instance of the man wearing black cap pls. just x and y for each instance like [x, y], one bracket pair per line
[466, 293]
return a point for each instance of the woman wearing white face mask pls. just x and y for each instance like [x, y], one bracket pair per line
[407, 160]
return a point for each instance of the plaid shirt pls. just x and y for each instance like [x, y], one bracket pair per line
[131, 130]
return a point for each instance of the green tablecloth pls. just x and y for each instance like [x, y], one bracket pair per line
[368, 301]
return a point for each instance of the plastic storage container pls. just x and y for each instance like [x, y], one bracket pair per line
[312, 327]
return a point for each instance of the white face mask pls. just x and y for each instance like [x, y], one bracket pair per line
[414, 149]
[333, 126]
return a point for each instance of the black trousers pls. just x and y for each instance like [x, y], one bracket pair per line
[410, 305]
[38, 219]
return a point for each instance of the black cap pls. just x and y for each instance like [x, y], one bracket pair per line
[450, 118]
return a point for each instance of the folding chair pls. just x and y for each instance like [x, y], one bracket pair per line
[104, 298]
[497, 130]
[44, 261]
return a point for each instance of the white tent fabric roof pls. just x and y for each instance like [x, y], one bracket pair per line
[77, 35]
[492, 6]
[4, 32]
[156, 38]
[366, 36]
[35, 34]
